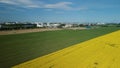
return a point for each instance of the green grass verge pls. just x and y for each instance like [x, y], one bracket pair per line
[18, 48]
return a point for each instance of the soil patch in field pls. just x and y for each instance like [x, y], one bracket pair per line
[27, 31]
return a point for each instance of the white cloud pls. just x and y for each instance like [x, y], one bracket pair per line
[59, 12]
[8, 2]
[60, 5]
[40, 4]
[48, 9]
[22, 3]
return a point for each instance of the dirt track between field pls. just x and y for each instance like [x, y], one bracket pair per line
[27, 31]
[7, 32]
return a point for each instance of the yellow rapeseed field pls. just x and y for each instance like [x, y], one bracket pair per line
[100, 52]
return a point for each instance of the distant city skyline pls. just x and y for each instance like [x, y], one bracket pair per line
[60, 10]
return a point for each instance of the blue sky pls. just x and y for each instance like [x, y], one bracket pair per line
[60, 10]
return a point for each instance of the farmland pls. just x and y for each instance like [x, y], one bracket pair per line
[100, 52]
[18, 48]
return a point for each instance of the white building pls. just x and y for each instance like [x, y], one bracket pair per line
[68, 26]
[39, 24]
[100, 23]
[48, 24]
[54, 25]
